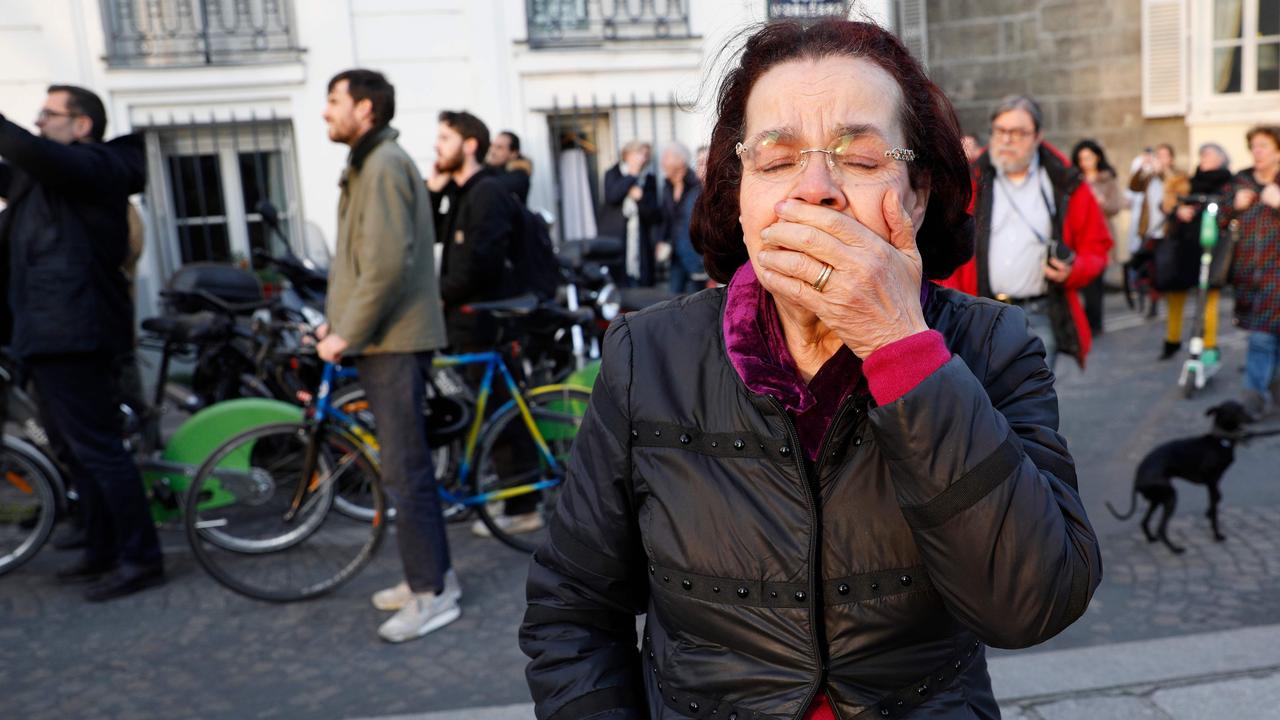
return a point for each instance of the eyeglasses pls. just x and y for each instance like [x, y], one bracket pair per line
[851, 158]
[46, 114]
[1014, 134]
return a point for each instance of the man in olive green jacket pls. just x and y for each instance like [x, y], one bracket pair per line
[384, 308]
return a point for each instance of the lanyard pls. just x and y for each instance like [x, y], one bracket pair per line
[1000, 182]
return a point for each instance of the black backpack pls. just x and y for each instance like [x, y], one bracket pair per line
[532, 257]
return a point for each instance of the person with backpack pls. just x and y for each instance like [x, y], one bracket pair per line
[483, 230]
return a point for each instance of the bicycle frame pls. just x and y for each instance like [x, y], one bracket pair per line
[325, 411]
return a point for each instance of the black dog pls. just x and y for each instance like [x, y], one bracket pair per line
[1200, 460]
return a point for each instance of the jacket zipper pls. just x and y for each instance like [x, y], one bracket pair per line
[815, 557]
[817, 491]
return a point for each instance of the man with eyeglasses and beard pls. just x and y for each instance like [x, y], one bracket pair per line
[65, 232]
[1040, 235]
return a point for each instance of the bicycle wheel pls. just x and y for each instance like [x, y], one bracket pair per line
[353, 494]
[28, 504]
[510, 466]
[244, 530]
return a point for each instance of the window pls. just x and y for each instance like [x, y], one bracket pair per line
[156, 33]
[572, 23]
[208, 181]
[1246, 47]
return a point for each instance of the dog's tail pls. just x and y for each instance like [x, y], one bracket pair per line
[1133, 506]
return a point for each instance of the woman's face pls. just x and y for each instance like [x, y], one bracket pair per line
[813, 104]
[1265, 153]
[1210, 160]
[1087, 160]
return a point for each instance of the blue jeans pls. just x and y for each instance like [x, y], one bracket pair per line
[394, 386]
[1261, 362]
[1042, 326]
[684, 265]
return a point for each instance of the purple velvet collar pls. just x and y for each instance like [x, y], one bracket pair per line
[757, 349]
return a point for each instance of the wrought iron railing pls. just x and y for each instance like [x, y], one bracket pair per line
[198, 32]
[568, 23]
[799, 9]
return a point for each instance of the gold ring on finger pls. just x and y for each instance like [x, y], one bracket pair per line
[825, 275]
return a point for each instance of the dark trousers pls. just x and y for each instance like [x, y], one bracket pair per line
[1092, 294]
[647, 261]
[393, 384]
[78, 399]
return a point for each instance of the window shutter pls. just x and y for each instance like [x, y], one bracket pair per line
[913, 30]
[1164, 58]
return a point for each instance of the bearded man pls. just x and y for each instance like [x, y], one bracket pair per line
[1039, 233]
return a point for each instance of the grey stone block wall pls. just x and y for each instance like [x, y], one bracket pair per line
[1081, 59]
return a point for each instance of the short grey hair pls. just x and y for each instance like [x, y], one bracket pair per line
[634, 146]
[676, 147]
[1019, 102]
[1226, 157]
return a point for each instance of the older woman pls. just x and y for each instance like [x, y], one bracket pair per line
[1255, 193]
[829, 485]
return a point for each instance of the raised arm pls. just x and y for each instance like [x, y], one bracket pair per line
[989, 489]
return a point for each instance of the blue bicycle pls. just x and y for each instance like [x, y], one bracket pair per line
[281, 483]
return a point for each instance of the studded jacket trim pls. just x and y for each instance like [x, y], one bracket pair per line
[754, 593]
[893, 705]
[743, 444]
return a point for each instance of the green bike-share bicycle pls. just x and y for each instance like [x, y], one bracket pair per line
[34, 491]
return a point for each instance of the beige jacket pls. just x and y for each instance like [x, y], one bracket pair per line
[383, 295]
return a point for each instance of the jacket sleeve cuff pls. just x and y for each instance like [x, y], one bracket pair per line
[895, 369]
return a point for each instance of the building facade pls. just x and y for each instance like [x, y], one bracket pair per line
[1128, 73]
[229, 93]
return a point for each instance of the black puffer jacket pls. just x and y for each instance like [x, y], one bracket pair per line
[929, 527]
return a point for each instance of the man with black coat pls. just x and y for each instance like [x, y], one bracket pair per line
[476, 225]
[65, 232]
[477, 219]
[630, 210]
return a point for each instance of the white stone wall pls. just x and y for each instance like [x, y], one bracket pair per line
[440, 54]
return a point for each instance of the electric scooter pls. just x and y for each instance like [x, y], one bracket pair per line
[1204, 363]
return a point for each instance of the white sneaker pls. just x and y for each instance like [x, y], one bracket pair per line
[394, 598]
[511, 524]
[422, 614]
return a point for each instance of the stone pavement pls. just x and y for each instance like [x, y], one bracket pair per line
[194, 649]
[1209, 676]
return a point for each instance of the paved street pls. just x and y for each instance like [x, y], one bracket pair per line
[1146, 648]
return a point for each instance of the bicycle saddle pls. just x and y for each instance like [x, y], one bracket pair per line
[575, 253]
[187, 328]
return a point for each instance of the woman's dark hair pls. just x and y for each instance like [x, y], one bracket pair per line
[1271, 131]
[1093, 147]
[372, 86]
[945, 237]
